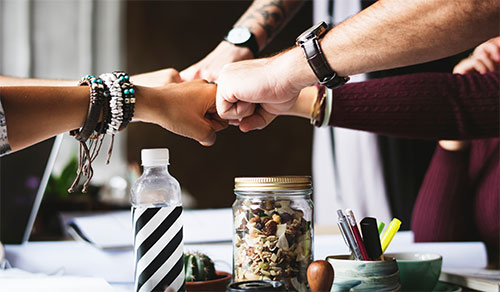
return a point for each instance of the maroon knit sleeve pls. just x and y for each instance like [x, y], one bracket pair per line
[443, 210]
[425, 105]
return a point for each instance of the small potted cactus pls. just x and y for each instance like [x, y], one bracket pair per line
[201, 274]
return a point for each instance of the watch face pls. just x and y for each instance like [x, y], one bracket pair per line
[238, 35]
[315, 31]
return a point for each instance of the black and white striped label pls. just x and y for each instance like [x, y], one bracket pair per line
[158, 249]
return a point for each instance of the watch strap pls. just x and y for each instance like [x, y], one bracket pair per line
[320, 66]
[251, 44]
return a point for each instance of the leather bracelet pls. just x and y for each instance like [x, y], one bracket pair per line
[95, 107]
[88, 154]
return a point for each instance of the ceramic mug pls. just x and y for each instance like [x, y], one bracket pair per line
[352, 275]
[418, 271]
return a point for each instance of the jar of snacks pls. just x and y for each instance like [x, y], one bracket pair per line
[273, 230]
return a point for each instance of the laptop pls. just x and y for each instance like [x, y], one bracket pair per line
[23, 179]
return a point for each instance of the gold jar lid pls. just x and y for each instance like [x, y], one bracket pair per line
[272, 183]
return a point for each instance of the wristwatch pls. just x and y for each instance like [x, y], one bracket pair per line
[243, 37]
[309, 42]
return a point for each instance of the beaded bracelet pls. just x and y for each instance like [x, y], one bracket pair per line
[128, 98]
[113, 96]
[115, 102]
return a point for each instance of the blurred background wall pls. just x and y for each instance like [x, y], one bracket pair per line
[177, 34]
[66, 39]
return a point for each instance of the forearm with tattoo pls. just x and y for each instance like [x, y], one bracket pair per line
[265, 18]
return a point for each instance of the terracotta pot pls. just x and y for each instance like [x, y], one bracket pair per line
[218, 284]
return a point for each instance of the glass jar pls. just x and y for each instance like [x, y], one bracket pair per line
[273, 230]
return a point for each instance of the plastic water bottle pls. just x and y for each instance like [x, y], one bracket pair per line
[156, 217]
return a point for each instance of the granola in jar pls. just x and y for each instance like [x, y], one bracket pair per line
[273, 233]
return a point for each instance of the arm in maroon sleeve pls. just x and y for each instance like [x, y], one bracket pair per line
[443, 210]
[426, 105]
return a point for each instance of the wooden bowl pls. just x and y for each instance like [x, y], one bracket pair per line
[218, 284]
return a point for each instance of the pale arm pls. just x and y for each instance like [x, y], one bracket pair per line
[264, 18]
[394, 33]
[388, 34]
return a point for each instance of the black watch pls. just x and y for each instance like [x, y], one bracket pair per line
[243, 37]
[308, 41]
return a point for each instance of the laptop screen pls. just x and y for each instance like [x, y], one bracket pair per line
[23, 178]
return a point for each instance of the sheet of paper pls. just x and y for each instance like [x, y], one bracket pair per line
[72, 258]
[110, 230]
[56, 284]
[209, 225]
[18, 280]
[114, 229]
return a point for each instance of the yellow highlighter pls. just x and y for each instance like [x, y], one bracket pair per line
[389, 233]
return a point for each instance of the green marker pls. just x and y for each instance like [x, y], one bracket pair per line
[381, 226]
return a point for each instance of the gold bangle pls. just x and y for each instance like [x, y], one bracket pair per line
[318, 104]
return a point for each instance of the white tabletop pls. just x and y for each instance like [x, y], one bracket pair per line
[77, 258]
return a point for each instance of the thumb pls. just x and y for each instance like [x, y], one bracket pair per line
[259, 120]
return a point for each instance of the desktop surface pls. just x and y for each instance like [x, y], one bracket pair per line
[116, 265]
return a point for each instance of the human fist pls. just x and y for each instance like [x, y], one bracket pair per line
[186, 108]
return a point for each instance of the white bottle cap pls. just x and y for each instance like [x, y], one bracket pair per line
[155, 157]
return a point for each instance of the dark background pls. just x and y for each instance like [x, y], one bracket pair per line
[162, 34]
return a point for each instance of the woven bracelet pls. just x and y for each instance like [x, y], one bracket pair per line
[97, 100]
[88, 153]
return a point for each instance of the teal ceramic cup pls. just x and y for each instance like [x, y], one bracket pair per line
[352, 275]
[418, 271]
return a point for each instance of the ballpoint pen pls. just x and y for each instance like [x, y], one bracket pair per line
[354, 227]
[371, 238]
[346, 231]
[389, 233]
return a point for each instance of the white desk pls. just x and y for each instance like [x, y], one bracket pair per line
[116, 266]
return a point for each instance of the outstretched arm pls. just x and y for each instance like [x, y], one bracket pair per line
[425, 105]
[155, 78]
[388, 34]
[35, 113]
[14, 81]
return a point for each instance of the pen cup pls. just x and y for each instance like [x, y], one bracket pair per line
[353, 275]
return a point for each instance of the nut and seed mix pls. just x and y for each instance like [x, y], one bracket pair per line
[272, 242]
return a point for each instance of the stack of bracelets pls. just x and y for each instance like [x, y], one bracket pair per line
[112, 100]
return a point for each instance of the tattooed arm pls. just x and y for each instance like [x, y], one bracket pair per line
[264, 18]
